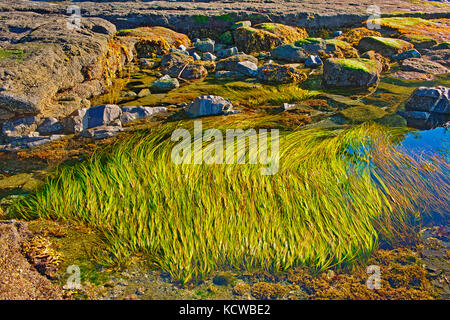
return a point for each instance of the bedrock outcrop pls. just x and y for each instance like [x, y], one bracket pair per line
[48, 68]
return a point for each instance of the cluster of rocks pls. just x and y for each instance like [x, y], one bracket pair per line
[97, 122]
[82, 62]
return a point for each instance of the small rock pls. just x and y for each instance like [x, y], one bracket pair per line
[287, 106]
[247, 68]
[196, 56]
[102, 115]
[102, 132]
[130, 94]
[140, 291]
[148, 63]
[207, 106]
[182, 48]
[206, 45]
[413, 53]
[165, 84]
[313, 62]
[275, 73]
[209, 57]
[423, 65]
[143, 93]
[337, 33]
[50, 126]
[223, 279]
[15, 129]
[241, 24]
[130, 114]
[225, 53]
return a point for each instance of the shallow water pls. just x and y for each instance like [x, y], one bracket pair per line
[429, 142]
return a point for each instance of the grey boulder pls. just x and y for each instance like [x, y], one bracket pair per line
[208, 106]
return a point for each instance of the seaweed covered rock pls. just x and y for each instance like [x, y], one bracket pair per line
[355, 35]
[277, 74]
[419, 41]
[351, 72]
[154, 40]
[387, 47]
[300, 50]
[266, 36]
[437, 29]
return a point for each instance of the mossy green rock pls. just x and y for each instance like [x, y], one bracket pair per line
[266, 36]
[387, 47]
[351, 72]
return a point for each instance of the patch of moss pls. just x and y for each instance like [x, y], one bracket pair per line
[227, 17]
[201, 18]
[267, 26]
[362, 113]
[390, 42]
[226, 37]
[300, 43]
[16, 54]
[361, 64]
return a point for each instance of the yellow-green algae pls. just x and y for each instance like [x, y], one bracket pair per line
[337, 193]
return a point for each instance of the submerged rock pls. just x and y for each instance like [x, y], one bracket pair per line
[208, 106]
[165, 84]
[351, 72]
